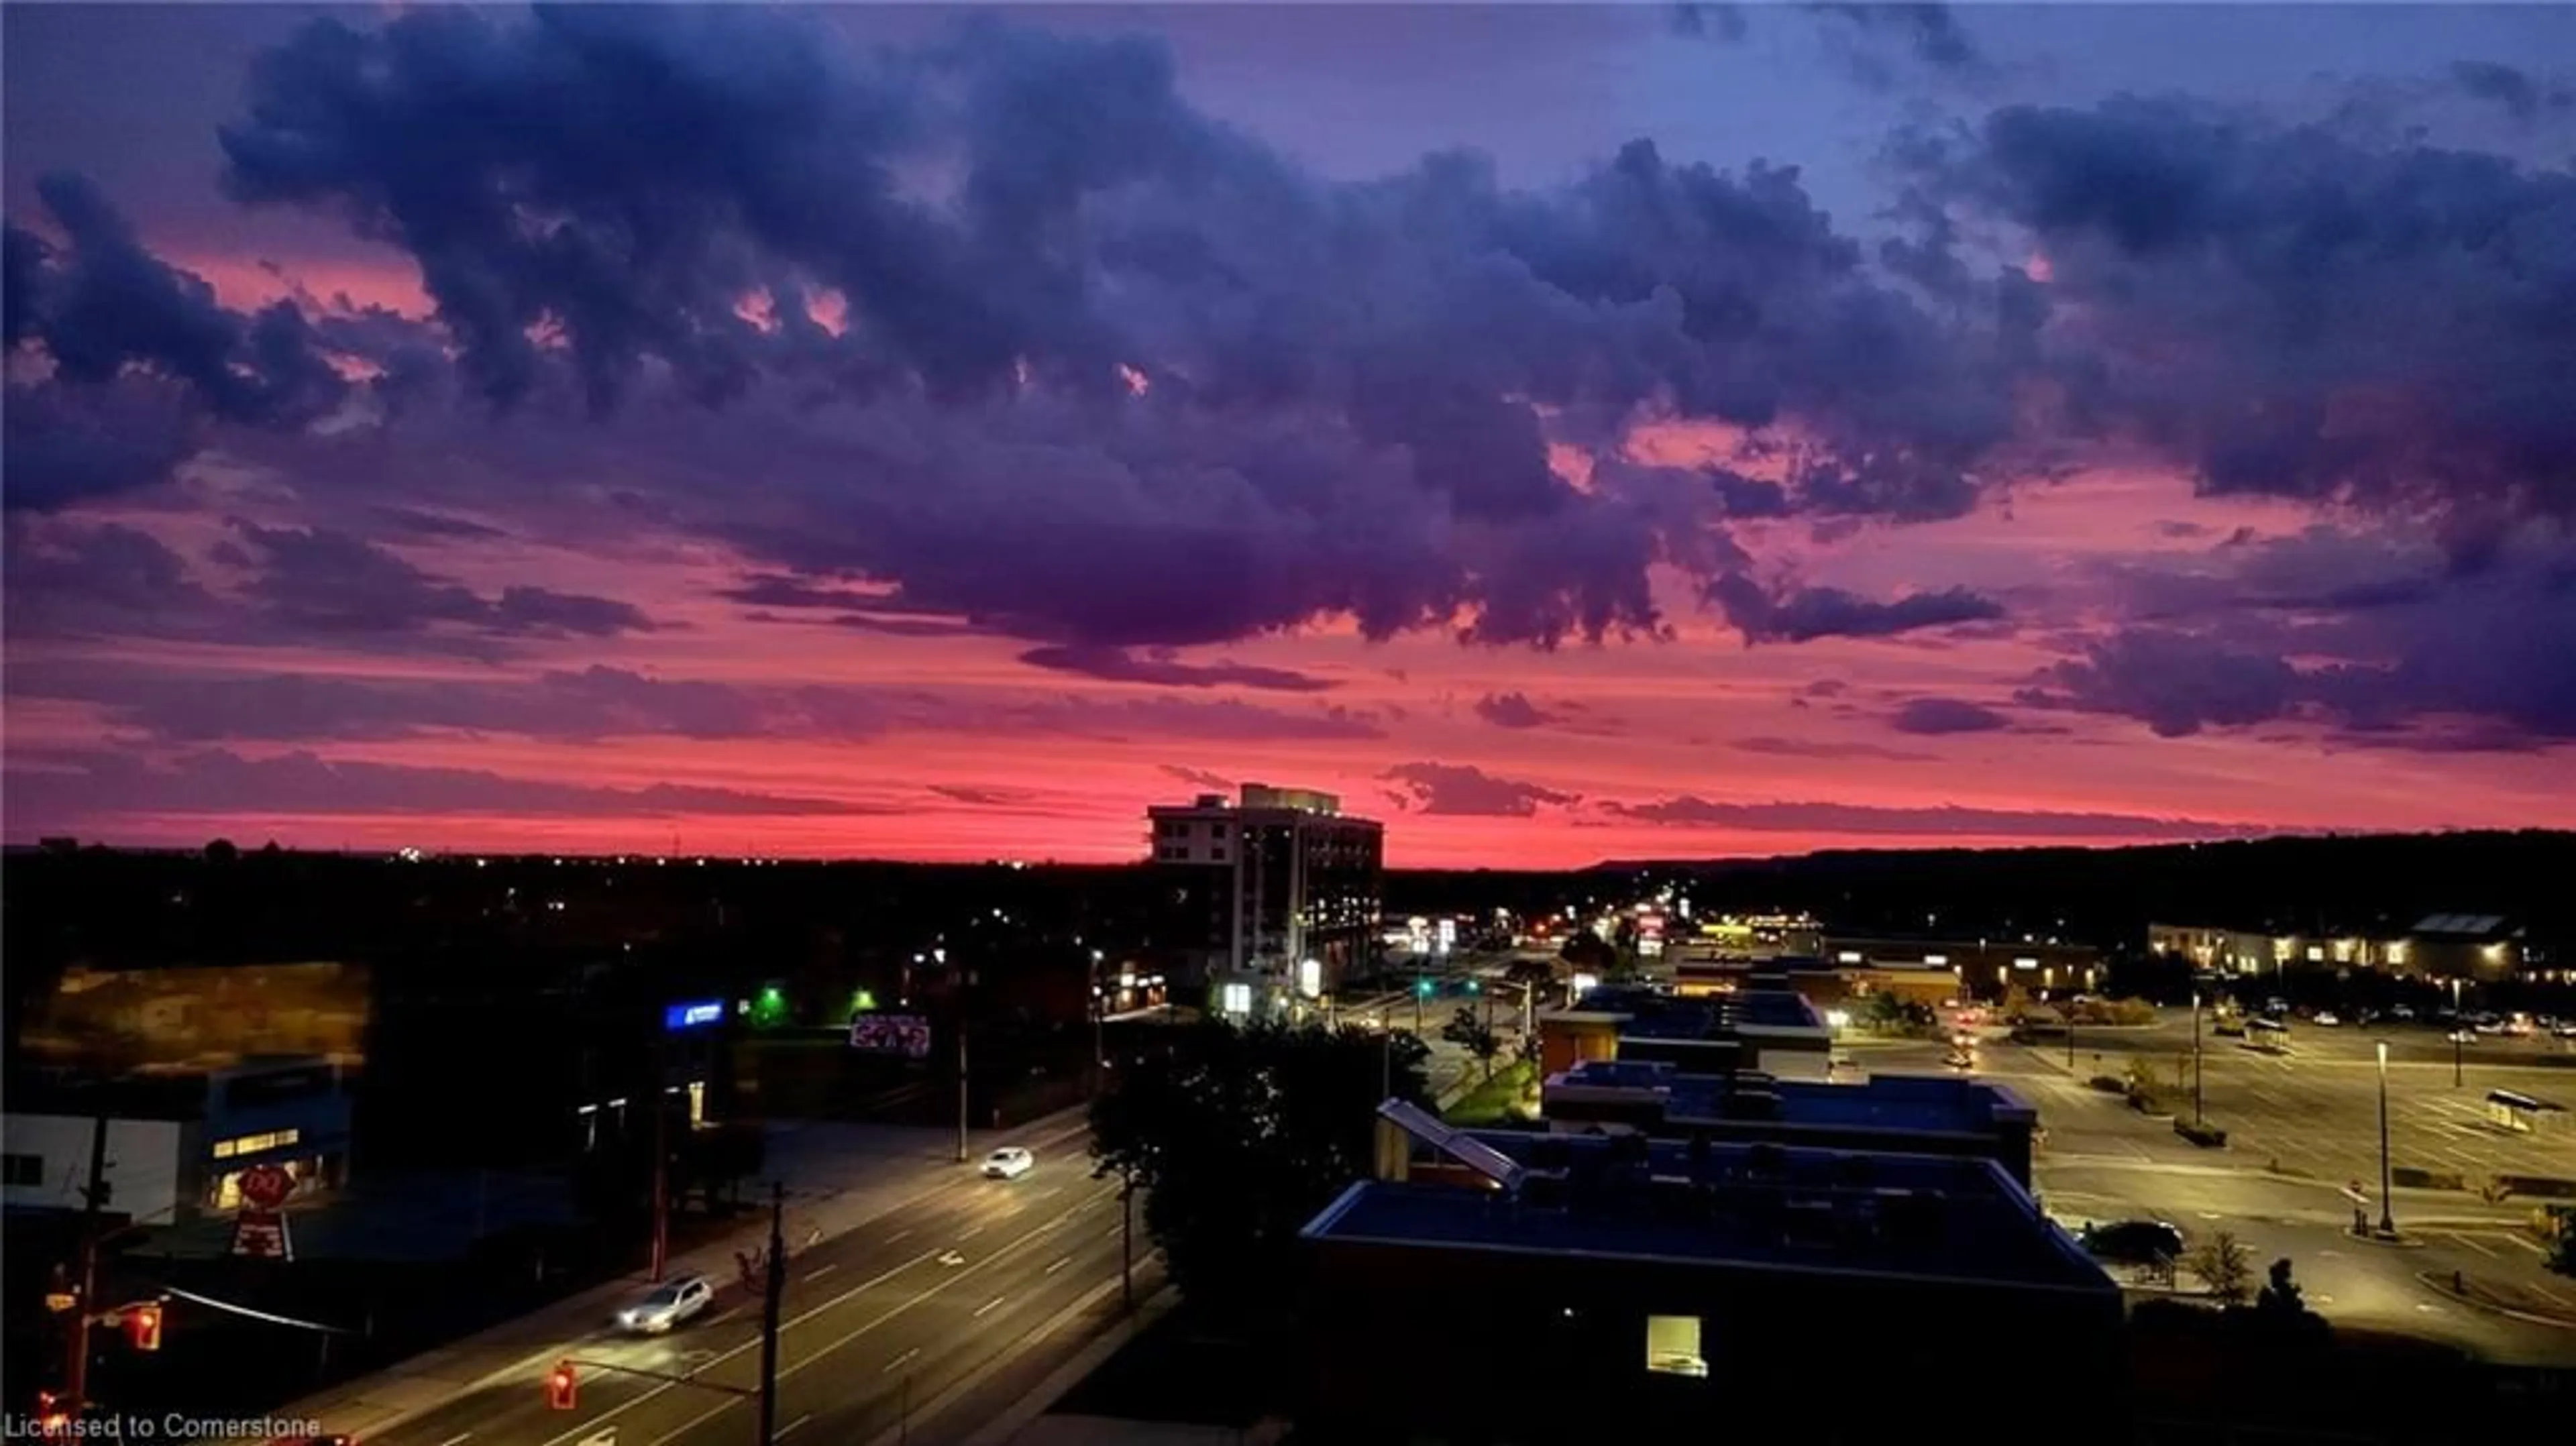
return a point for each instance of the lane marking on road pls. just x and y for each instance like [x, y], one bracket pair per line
[807, 1315]
[815, 1275]
[898, 1235]
[2553, 1295]
[1113, 1233]
[987, 1307]
[951, 1259]
[888, 1367]
[604, 1438]
[970, 1232]
[1068, 1260]
[2473, 1245]
[792, 1425]
[1050, 1192]
[729, 1313]
[945, 1281]
[2529, 1245]
[453, 1440]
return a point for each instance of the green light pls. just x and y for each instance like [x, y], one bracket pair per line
[771, 998]
[862, 1001]
[1475, 986]
[1422, 987]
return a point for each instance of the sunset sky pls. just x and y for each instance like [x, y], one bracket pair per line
[1567, 433]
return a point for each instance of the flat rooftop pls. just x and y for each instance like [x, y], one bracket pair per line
[1754, 1206]
[1931, 1104]
[1650, 1014]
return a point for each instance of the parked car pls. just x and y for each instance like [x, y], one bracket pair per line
[2566, 1030]
[2229, 1025]
[668, 1307]
[2462, 1036]
[2134, 1242]
[2326, 1017]
[2401, 1011]
[1008, 1163]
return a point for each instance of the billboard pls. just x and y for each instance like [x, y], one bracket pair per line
[904, 1034]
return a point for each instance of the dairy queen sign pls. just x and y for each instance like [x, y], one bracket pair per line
[260, 1230]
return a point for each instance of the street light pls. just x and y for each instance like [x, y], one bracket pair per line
[2387, 1226]
[2195, 1059]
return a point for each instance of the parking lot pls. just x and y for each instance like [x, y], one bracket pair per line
[2302, 1127]
[2314, 1108]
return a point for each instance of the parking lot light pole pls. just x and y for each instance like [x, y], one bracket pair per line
[2387, 1225]
[2195, 1059]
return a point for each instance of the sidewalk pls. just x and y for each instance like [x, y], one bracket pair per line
[838, 1177]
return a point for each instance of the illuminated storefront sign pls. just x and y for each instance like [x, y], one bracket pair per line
[696, 1014]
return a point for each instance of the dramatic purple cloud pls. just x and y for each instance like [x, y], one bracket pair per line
[1929, 822]
[1513, 710]
[1934, 717]
[1455, 788]
[1120, 665]
[218, 783]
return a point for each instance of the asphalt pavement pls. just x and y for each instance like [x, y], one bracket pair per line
[2303, 1129]
[916, 1325]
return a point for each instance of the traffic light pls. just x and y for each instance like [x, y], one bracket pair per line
[1422, 987]
[1475, 986]
[143, 1326]
[562, 1390]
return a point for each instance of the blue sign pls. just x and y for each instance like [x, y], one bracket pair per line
[697, 1014]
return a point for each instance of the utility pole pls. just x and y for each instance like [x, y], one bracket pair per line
[1127, 1240]
[770, 1298]
[93, 1197]
[661, 1164]
[2455, 1051]
[961, 1075]
[2387, 1225]
[2195, 1059]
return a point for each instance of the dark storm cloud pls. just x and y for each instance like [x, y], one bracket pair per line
[1458, 788]
[1930, 33]
[2398, 640]
[1936, 717]
[418, 523]
[2518, 93]
[1826, 748]
[604, 702]
[1119, 665]
[1851, 818]
[1199, 776]
[331, 582]
[109, 578]
[1797, 615]
[220, 782]
[1513, 710]
[2295, 311]
[104, 303]
[68, 444]
[1171, 389]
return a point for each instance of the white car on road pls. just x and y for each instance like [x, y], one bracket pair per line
[667, 1307]
[1008, 1163]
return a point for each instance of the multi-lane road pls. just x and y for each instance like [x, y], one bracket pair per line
[919, 1325]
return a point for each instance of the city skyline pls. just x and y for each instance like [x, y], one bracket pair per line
[1563, 433]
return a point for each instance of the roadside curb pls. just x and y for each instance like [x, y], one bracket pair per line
[344, 1406]
[2433, 1281]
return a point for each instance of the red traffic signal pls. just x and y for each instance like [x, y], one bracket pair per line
[143, 1326]
[562, 1390]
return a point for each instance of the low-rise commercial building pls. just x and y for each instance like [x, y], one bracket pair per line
[1925, 1115]
[1772, 1030]
[2437, 946]
[177, 1145]
[1640, 1288]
